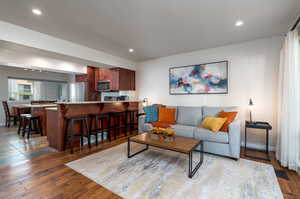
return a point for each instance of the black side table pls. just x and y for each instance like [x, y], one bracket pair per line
[258, 125]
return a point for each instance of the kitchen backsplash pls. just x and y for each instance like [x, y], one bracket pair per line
[131, 94]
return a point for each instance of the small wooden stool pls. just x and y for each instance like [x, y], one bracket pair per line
[29, 124]
[117, 121]
[95, 120]
[71, 135]
[131, 120]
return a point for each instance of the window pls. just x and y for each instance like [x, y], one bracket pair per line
[19, 90]
[23, 89]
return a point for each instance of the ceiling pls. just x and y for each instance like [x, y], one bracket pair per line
[16, 55]
[154, 28]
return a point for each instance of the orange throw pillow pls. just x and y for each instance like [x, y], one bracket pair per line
[160, 124]
[167, 115]
[230, 117]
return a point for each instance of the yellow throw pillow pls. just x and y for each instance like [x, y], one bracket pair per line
[213, 123]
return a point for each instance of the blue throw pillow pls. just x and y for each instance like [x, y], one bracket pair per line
[151, 113]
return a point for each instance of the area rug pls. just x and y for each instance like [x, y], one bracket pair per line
[161, 174]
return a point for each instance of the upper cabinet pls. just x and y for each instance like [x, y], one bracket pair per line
[125, 79]
[120, 78]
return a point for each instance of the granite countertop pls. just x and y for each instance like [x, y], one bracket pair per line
[99, 102]
[51, 109]
[35, 105]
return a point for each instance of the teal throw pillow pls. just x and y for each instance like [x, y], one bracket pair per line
[151, 113]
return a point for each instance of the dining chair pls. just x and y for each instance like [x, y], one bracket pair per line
[9, 117]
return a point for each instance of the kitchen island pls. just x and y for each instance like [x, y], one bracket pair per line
[56, 116]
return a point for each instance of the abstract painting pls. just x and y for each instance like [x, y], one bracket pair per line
[209, 78]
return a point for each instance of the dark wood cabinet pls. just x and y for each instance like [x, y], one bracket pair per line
[132, 80]
[103, 74]
[120, 78]
[81, 78]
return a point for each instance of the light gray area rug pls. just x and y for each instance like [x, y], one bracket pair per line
[161, 174]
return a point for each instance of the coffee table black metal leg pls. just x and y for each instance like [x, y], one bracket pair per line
[191, 170]
[131, 155]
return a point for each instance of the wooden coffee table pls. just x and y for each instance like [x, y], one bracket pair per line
[178, 144]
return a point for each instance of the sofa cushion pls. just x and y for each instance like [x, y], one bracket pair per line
[215, 110]
[207, 135]
[182, 130]
[213, 123]
[176, 111]
[151, 113]
[230, 117]
[188, 115]
[167, 115]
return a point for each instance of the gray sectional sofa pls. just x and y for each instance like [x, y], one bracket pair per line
[188, 121]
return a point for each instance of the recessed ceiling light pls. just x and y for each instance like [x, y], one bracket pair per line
[239, 23]
[131, 50]
[37, 12]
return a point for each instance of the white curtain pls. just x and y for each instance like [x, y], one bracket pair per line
[288, 139]
[38, 90]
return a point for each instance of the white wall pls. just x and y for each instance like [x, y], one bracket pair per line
[253, 68]
[6, 72]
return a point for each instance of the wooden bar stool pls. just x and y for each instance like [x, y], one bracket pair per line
[131, 120]
[30, 124]
[22, 122]
[95, 128]
[70, 133]
[117, 121]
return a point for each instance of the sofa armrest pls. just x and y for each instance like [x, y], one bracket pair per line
[143, 126]
[141, 123]
[141, 114]
[235, 138]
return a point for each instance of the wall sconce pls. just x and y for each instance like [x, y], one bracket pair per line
[251, 108]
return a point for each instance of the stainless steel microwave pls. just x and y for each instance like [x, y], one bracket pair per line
[103, 85]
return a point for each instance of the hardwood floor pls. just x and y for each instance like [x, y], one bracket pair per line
[15, 148]
[46, 176]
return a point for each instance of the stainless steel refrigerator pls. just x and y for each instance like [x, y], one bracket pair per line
[77, 92]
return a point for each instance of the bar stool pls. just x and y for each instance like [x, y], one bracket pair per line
[117, 121]
[131, 120]
[70, 133]
[95, 120]
[21, 120]
[29, 124]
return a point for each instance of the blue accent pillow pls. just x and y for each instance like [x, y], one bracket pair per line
[151, 113]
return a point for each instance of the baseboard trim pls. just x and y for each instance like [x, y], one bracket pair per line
[258, 146]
